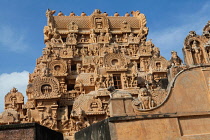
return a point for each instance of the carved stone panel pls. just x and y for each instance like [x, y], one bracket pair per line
[149, 99]
[46, 87]
[115, 61]
[58, 67]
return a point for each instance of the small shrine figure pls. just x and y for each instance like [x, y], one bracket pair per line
[175, 59]
[93, 37]
[144, 100]
[56, 37]
[197, 54]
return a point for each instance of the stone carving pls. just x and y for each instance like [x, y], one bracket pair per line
[14, 100]
[115, 61]
[50, 19]
[56, 37]
[71, 39]
[73, 27]
[144, 101]
[175, 59]
[93, 64]
[196, 48]
[99, 21]
[149, 99]
[125, 27]
[197, 53]
[58, 67]
[45, 87]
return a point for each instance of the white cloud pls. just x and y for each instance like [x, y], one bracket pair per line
[12, 39]
[172, 37]
[18, 80]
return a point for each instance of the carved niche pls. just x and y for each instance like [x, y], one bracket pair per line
[193, 49]
[115, 61]
[45, 87]
[71, 39]
[99, 22]
[159, 64]
[95, 106]
[58, 67]
[145, 51]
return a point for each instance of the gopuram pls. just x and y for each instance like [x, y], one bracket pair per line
[98, 67]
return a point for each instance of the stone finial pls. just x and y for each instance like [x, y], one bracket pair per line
[192, 33]
[127, 14]
[50, 12]
[116, 14]
[60, 14]
[83, 14]
[97, 11]
[72, 14]
[135, 13]
[13, 90]
[105, 13]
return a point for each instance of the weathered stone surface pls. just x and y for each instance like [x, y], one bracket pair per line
[28, 131]
[150, 127]
[98, 66]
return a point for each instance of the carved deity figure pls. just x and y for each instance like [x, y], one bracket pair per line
[133, 80]
[71, 38]
[82, 39]
[145, 100]
[197, 53]
[79, 68]
[91, 80]
[131, 37]
[81, 122]
[101, 82]
[134, 68]
[107, 37]
[101, 37]
[92, 37]
[64, 122]
[156, 52]
[56, 37]
[175, 59]
[47, 118]
[54, 121]
[150, 83]
[108, 81]
[145, 64]
[125, 80]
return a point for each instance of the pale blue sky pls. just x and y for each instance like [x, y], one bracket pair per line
[22, 22]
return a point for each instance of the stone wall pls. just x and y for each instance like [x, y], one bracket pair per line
[149, 127]
[28, 131]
